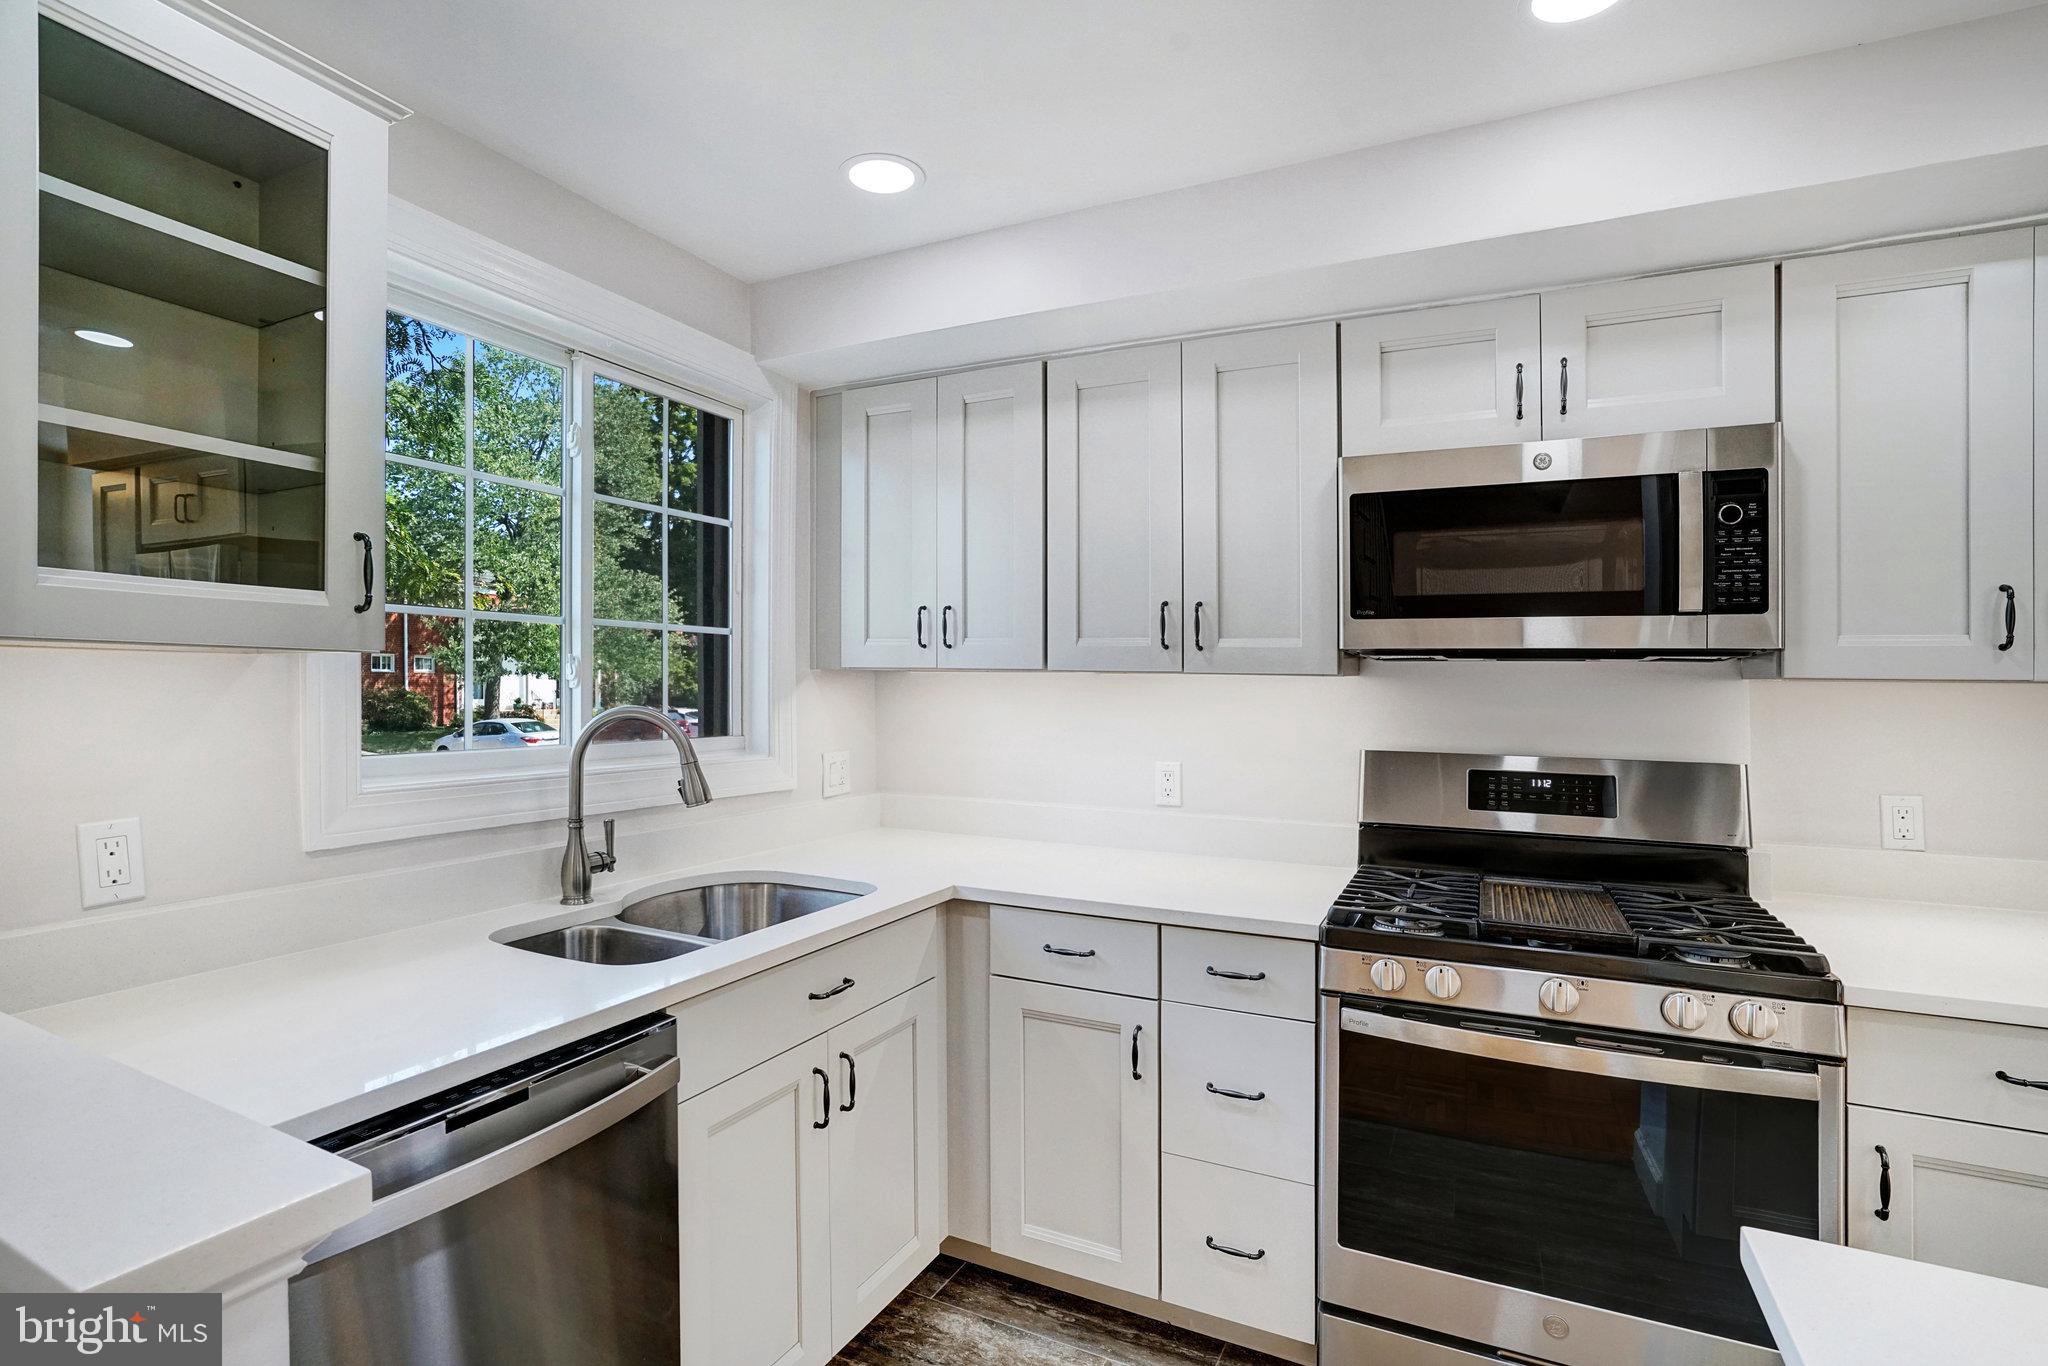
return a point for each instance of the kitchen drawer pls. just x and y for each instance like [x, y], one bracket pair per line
[1347, 1341]
[1074, 950]
[1238, 972]
[1204, 1208]
[722, 1034]
[1933, 1066]
[1203, 1052]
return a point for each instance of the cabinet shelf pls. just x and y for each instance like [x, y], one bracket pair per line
[135, 443]
[98, 237]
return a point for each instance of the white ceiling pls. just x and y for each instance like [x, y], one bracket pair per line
[721, 125]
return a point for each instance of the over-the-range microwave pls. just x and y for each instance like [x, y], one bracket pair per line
[1629, 547]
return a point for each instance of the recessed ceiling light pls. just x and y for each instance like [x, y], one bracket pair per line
[882, 173]
[102, 338]
[1567, 11]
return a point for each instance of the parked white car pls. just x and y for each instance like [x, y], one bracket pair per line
[509, 734]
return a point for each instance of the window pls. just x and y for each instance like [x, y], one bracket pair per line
[483, 502]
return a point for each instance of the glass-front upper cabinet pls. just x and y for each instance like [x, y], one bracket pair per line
[192, 311]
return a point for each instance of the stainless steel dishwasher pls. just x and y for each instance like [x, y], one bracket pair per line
[527, 1217]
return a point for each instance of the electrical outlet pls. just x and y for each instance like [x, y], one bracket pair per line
[1166, 783]
[838, 777]
[110, 862]
[1904, 825]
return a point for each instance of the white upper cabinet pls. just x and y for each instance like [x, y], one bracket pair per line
[888, 453]
[991, 519]
[1438, 378]
[1909, 431]
[1259, 473]
[191, 313]
[1113, 511]
[1661, 354]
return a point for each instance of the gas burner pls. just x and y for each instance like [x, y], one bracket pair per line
[1711, 952]
[1424, 927]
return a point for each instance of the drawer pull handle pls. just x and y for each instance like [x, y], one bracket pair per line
[1884, 1184]
[845, 984]
[1230, 1251]
[1071, 953]
[1216, 1090]
[2010, 1080]
[1235, 976]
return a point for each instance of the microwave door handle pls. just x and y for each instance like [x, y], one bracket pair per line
[1706, 1076]
[1692, 545]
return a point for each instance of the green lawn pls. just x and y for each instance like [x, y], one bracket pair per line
[402, 741]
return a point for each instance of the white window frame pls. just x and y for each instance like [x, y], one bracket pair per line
[389, 664]
[454, 277]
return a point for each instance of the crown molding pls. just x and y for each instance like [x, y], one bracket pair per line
[285, 55]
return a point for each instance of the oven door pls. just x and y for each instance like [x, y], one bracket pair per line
[1568, 546]
[1569, 1195]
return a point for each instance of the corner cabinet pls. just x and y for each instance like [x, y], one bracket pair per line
[191, 323]
[1909, 444]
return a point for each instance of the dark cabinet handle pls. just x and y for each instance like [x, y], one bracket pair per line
[1198, 626]
[369, 563]
[1230, 1251]
[852, 1082]
[1136, 1030]
[2010, 1080]
[922, 613]
[1235, 976]
[946, 626]
[1216, 1090]
[1884, 1184]
[826, 1081]
[1518, 391]
[1564, 385]
[2012, 615]
[845, 984]
[1070, 953]
[1162, 627]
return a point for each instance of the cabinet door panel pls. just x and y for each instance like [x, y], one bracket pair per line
[1909, 460]
[1259, 461]
[1673, 351]
[1438, 378]
[991, 519]
[887, 481]
[756, 1255]
[1970, 1196]
[1113, 511]
[888, 1146]
[1074, 1131]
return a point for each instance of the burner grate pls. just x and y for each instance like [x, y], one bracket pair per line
[1571, 910]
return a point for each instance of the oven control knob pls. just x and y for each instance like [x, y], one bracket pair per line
[1682, 1010]
[1558, 996]
[1753, 1020]
[1442, 982]
[1388, 975]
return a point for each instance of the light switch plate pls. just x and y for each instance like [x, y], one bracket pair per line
[110, 862]
[838, 775]
[1904, 823]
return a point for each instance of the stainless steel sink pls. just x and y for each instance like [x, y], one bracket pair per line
[606, 941]
[726, 910]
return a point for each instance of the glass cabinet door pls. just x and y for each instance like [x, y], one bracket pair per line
[200, 468]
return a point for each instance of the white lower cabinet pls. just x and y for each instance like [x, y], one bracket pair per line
[813, 1188]
[1971, 1196]
[1239, 1246]
[1074, 1131]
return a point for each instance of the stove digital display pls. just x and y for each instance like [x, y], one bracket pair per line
[1541, 794]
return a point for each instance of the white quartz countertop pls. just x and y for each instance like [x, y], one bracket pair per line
[1965, 962]
[1829, 1305]
[313, 1041]
[119, 1181]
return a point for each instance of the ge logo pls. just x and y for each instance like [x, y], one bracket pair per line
[1542, 462]
[1556, 1326]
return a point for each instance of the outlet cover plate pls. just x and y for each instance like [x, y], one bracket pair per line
[1166, 783]
[1904, 823]
[838, 773]
[91, 835]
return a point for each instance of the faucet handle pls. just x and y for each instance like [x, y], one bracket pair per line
[606, 861]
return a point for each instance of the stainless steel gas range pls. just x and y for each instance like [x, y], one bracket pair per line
[1565, 1059]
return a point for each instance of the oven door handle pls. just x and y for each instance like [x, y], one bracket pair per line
[1752, 1081]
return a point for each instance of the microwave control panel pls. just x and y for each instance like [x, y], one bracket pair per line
[1739, 552]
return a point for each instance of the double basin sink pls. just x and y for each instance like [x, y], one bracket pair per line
[670, 924]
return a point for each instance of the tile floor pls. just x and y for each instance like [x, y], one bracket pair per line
[955, 1314]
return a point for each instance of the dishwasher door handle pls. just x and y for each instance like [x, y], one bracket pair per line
[452, 1187]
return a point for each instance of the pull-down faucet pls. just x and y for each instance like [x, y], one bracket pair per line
[578, 863]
